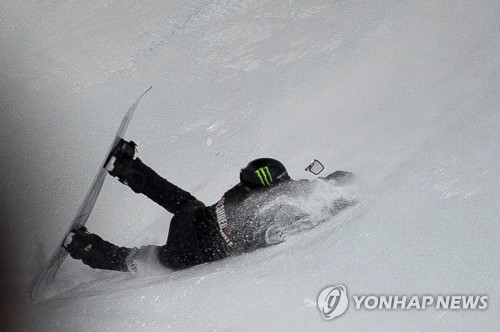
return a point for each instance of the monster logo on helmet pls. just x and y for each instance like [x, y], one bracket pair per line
[265, 176]
[263, 173]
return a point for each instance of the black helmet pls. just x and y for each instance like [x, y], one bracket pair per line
[263, 173]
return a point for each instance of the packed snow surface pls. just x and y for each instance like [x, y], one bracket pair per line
[405, 94]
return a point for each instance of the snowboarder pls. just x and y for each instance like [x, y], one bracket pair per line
[197, 233]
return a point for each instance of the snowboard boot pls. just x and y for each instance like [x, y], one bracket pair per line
[120, 164]
[97, 253]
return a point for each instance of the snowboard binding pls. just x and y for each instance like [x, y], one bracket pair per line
[77, 241]
[122, 154]
[120, 164]
[97, 253]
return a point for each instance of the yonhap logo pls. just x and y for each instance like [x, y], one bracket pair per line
[333, 302]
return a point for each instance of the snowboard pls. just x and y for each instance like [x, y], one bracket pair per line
[47, 275]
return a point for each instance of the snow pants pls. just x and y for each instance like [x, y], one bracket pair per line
[194, 235]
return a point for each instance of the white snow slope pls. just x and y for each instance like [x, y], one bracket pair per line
[406, 94]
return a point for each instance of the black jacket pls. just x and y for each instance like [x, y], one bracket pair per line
[244, 215]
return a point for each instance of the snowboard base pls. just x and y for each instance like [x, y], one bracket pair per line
[47, 275]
